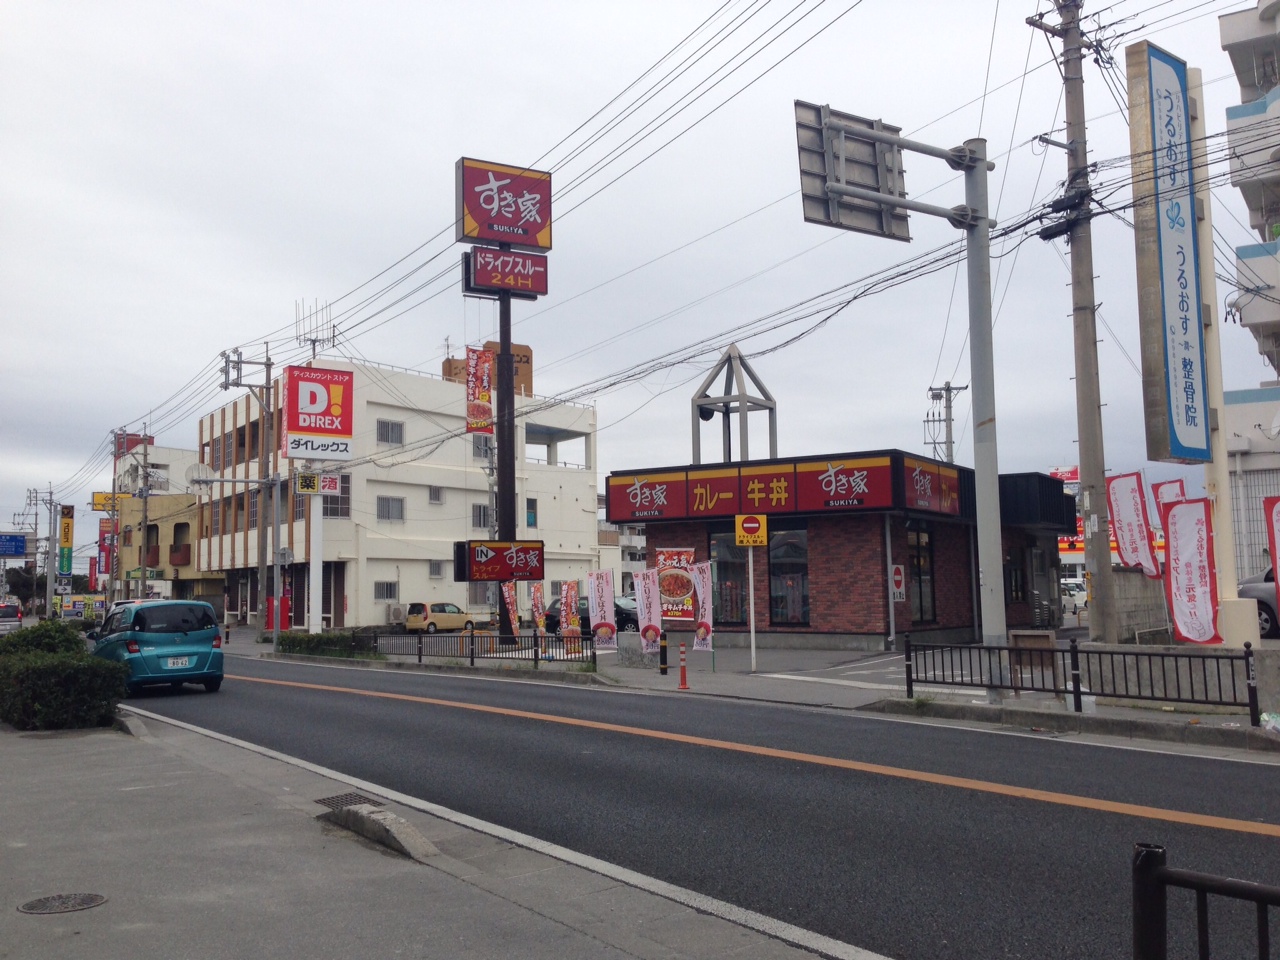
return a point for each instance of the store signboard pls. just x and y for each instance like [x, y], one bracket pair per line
[494, 561]
[844, 484]
[498, 203]
[713, 493]
[109, 502]
[318, 415]
[510, 270]
[651, 496]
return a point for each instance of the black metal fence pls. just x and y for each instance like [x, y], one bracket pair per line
[1217, 678]
[482, 645]
[1151, 881]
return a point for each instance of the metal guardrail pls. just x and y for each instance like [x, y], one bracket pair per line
[1206, 678]
[1151, 881]
[482, 645]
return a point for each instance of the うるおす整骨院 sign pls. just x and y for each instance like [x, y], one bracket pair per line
[318, 414]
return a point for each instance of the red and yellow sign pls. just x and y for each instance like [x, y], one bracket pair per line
[318, 414]
[713, 493]
[652, 496]
[844, 484]
[479, 390]
[508, 270]
[503, 204]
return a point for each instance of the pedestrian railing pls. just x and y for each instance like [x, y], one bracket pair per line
[1208, 678]
[483, 645]
[1151, 881]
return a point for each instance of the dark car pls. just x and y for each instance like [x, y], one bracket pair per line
[10, 617]
[623, 609]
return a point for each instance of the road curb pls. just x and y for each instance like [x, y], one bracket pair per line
[1165, 731]
[383, 828]
[551, 675]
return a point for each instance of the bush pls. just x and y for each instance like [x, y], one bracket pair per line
[331, 644]
[59, 691]
[84, 626]
[48, 636]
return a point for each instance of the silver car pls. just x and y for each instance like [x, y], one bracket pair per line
[1262, 587]
[10, 617]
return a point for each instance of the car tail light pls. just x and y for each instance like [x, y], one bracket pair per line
[132, 646]
[217, 640]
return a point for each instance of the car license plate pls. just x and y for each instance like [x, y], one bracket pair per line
[179, 661]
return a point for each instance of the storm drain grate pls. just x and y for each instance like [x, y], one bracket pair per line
[63, 903]
[347, 800]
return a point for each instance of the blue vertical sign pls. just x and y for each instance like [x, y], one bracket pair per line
[1185, 388]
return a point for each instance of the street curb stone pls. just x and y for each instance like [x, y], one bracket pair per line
[383, 828]
[1244, 738]
[511, 673]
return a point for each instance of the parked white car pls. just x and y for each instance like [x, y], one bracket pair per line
[1075, 597]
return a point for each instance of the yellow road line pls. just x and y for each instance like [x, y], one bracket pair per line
[920, 776]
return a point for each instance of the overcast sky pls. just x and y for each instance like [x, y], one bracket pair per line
[175, 177]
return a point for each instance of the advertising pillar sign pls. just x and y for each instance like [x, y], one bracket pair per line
[66, 538]
[479, 391]
[1191, 579]
[1127, 506]
[649, 610]
[318, 416]
[674, 583]
[703, 629]
[1175, 388]
[509, 598]
[538, 610]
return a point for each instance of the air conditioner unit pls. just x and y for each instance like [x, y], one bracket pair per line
[395, 613]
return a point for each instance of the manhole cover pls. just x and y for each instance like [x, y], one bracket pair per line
[347, 800]
[63, 903]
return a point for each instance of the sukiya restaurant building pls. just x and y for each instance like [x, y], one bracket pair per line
[836, 526]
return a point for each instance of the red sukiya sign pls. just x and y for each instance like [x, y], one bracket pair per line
[503, 204]
[498, 560]
[844, 484]
[654, 496]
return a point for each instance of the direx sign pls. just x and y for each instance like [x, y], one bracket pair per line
[318, 414]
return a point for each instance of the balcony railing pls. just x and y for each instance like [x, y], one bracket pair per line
[180, 555]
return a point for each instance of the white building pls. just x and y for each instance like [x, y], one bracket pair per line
[416, 484]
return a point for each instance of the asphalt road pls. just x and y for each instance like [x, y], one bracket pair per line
[853, 831]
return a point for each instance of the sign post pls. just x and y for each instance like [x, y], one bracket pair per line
[751, 530]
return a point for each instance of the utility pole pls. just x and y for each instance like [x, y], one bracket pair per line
[49, 564]
[144, 491]
[932, 421]
[266, 445]
[1093, 482]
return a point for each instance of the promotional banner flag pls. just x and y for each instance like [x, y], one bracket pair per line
[701, 573]
[649, 610]
[570, 624]
[1127, 503]
[1191, 581]
[674, 582]
[1171, 491]
[1271, 511]
[600, 606]
[538, 608]
[509, 597]
[479, 390]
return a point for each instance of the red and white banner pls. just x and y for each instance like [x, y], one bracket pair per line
[1127, 504]
[509, 597]
[1271, 511]
[701, 574]
[570, 623]
[1191, 581]
[538, 607]
[649, 609]
[1171, 491]
[604, 621]
[674, 582]
[479, 390]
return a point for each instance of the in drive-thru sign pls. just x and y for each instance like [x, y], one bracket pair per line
[498, 560]
[752, 530]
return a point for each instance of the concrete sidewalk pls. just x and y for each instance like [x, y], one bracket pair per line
[205, 849]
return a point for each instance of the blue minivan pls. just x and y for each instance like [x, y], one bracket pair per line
[164, 642]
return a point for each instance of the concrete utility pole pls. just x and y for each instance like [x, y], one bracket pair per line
[1093, 482]
[50, 565]
[944, 394]
[144, 491]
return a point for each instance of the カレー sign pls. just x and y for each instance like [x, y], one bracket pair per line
[497, 560]
[503, 204]
[318, 413]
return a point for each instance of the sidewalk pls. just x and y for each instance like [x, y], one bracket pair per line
[205, 849]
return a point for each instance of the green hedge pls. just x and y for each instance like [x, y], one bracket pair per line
[59, 691]
[333, 643]
[47, 636]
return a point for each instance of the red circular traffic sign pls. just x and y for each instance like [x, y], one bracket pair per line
[750, 525]
[897, 578]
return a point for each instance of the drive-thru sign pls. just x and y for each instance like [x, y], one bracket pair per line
[752, 530]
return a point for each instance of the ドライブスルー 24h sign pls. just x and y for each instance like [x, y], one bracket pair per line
[318, 414]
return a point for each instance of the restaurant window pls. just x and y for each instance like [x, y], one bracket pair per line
[729, 596]
[789, 577]
[340, 504]
[920, 561]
